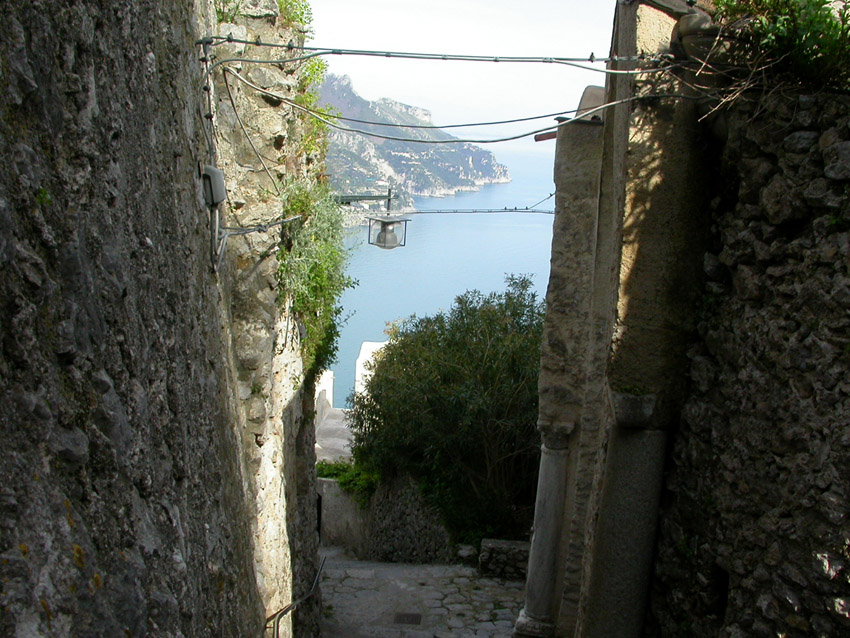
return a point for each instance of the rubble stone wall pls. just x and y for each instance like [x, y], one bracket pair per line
[156, 466]
[274, 416]
[754, 532]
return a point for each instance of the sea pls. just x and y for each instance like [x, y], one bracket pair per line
[447, 254]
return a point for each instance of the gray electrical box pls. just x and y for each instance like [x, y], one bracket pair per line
[214, 190]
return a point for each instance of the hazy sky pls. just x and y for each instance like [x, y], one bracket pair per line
[459, 92]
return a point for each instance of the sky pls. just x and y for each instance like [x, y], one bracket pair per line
[460, 92]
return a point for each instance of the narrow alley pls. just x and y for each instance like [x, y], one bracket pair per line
[393, 600]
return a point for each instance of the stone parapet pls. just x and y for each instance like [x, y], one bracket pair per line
[503, 559]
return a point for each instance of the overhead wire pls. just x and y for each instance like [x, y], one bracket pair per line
[445, 126]
[470, 211]
[228, 39]
[207, 118]
[248, 137]
[395, 125]
[578, 62]
[346, 129]
[550, 196]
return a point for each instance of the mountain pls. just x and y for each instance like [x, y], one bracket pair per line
[358, 163]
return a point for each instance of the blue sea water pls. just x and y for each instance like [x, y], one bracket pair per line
[445, 255]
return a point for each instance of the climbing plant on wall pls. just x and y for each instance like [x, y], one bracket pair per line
[311, 270]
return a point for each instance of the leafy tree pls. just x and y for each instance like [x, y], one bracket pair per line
[452, 399]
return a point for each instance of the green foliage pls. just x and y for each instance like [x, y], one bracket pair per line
[227, 10]
[452, 400]
[805, 37]
[296, 13]
[311, 75]
[352, 479]
[312, 269]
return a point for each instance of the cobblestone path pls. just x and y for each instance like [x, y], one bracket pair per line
[391, 600]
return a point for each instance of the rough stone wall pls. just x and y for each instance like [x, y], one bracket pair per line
[122, 507]
[396, 526]
[403, 528]
[754, 534]
[503, 559]
[275, 410]
[141, 480]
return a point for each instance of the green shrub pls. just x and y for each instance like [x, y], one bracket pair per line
[807, 38]
[311, 270]
[314, 140]
[452, 400]
[352, 479]
[296, 13]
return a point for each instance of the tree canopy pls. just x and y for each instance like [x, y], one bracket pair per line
[452, 400]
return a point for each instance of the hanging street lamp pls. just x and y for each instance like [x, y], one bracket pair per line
[387, 232]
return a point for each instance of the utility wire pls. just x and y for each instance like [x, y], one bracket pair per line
[444, 126]
[231, 231]
[347, 129]
[248, 137]
[577, 62]
[207, 118]
[469, 211]
[228, 39]
[410, 126]
[550, 196]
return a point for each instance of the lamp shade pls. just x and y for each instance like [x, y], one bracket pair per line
[387, 232]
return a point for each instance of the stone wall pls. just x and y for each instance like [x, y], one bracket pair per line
[754, 536]
[141, 490]
[403, 528]
[274, 416]
[503, 559]
[397, 526]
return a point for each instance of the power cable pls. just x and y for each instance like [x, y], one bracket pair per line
[577, 62]
[207, 118]
[550, 196]
[346, 129]
[248, 137]
[228, 39]
[469, 211]
[444, 126]
[413, 126]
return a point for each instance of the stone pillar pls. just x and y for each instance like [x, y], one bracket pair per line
[625, 531]
[537, 618]
[567, 352]
[663, 225]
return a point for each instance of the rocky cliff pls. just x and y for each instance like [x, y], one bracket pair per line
[151, 482]
[357, 162]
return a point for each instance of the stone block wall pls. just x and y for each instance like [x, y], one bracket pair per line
[754, 531]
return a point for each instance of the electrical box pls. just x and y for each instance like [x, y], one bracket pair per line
[214, 190]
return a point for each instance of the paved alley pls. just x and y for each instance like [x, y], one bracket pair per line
[393, 600]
